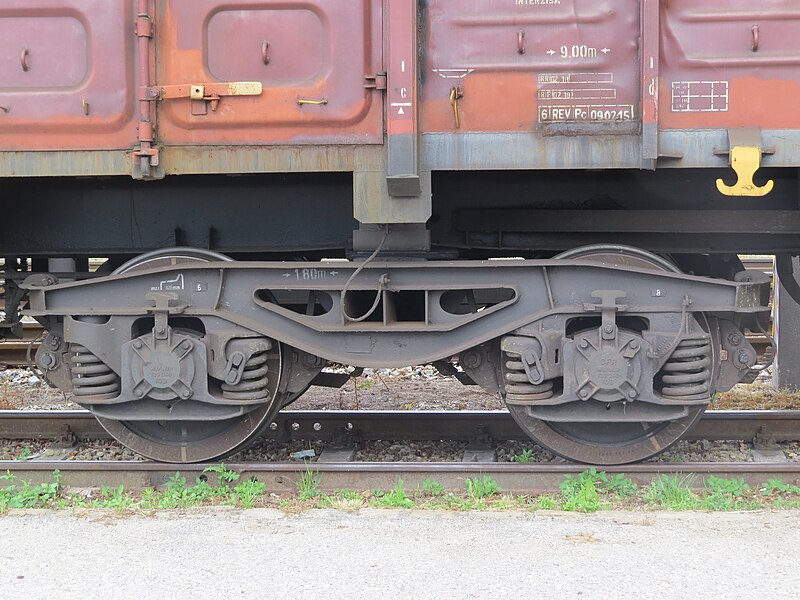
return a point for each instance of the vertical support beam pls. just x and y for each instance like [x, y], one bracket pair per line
[401, 192]
[651, 26]
[402, 126]
[786, 320]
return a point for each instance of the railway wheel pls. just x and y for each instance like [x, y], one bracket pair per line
[188, 441]
[608, 442]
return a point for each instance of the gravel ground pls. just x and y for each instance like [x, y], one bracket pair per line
[371, 553]
[393, 451]
[26, 389]
[411, 388]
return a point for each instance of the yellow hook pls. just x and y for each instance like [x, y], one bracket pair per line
[745, 160]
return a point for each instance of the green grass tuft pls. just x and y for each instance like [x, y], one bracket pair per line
[672, 492]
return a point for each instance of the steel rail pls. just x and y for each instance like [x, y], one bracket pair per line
[365, 425]
[283, 478]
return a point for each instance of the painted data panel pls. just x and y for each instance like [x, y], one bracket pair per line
[730, 64]
[67, 74]
[310, 59]
[570, 66]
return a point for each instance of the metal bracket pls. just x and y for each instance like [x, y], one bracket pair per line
[377, 81]
[608, 307]
[144, 26]
[745, 153]
[161, 312]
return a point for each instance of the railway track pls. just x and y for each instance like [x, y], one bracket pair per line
[21, 352]
[283, 478]
[329, 426]
[336, 426]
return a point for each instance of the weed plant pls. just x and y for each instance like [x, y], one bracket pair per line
[480, 489]
[396, 498]
[672, 492]
[589, 491]
[308, 484]
[592, 490]
[525, 456]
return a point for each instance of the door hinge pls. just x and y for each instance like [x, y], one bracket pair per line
[144, 26]
[146, 156]
[375, 82]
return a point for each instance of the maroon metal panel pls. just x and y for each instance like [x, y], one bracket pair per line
[730, 64]
[67, 77]
[310, 57]
[523, 65]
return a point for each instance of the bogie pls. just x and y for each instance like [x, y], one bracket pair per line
[593, 344]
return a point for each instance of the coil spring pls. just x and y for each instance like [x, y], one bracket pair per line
[254, 381]
[91, 376]
[518, 386]
[686, 373]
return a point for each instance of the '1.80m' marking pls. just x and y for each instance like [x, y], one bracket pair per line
[585, 114]
[310, 274]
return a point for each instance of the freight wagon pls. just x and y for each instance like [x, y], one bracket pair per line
[545, 197]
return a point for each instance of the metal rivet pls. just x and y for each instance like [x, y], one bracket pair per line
[317, 426]
[583, 393]
[273, 426]
[295, 426]
[584, 343]
[47, 360]
[634, 344]
[632, 394]
[137, 344]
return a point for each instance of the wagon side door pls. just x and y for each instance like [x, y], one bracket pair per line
[67, 75]
[268, 72]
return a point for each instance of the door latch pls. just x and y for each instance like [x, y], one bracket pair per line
[205, 95]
